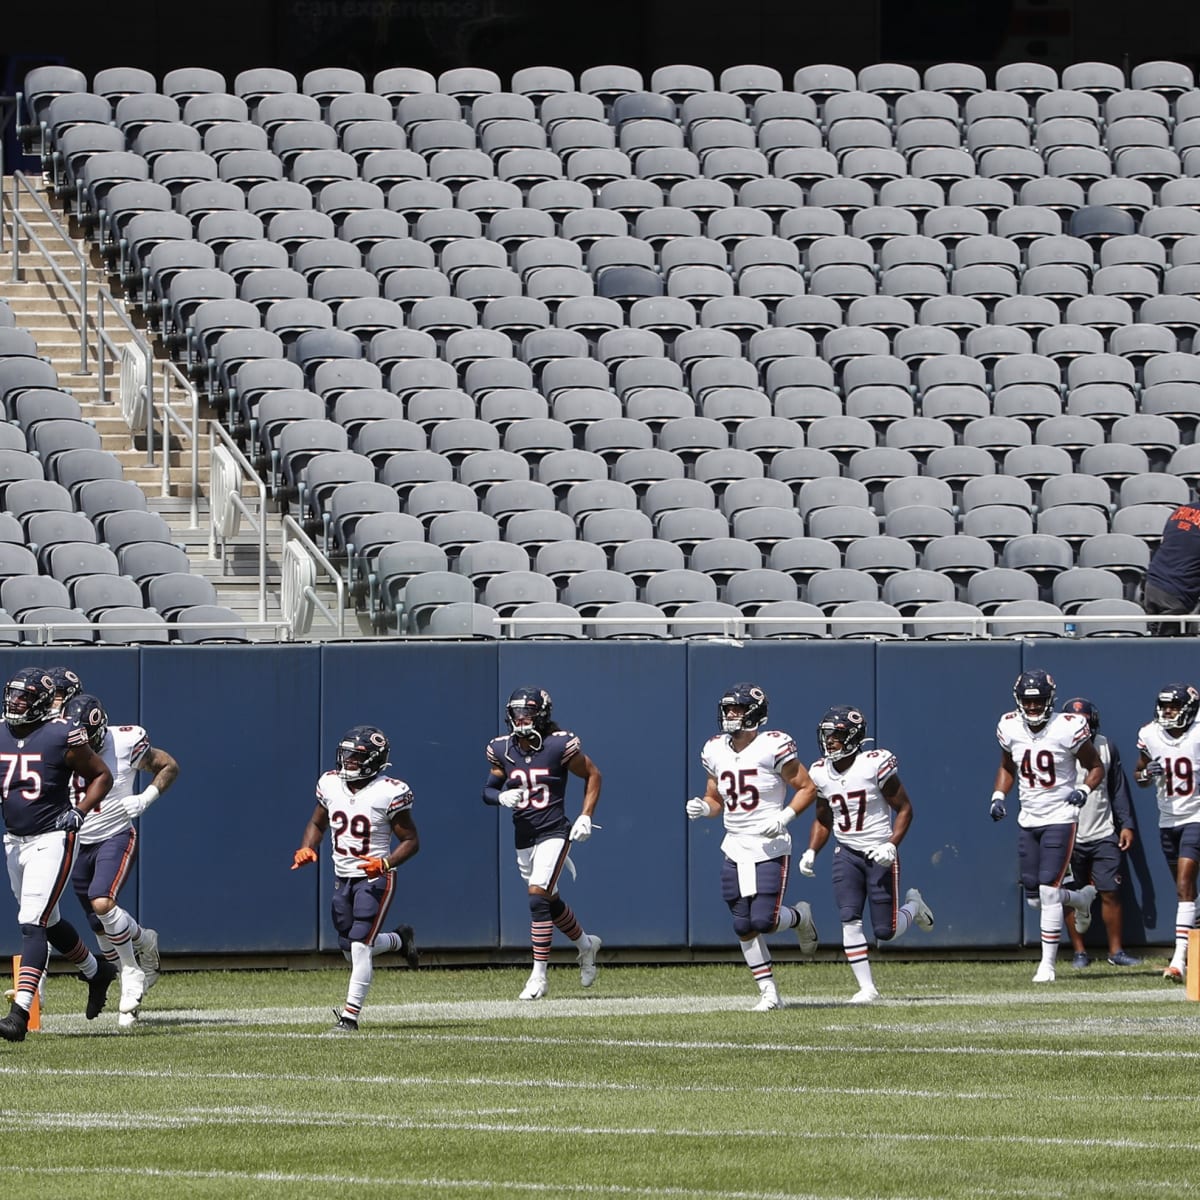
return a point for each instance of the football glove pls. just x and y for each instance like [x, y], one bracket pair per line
[582, 829]
[998, 812]
[808, 862]
[777, 825]
[70, 821]
[697, 806]
[511, 797]
[1152, 769]
[303, 856]
[374, 867]
[1078, 798]
[884, 853]
[137, 804]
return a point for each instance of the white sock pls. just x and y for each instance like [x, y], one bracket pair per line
[116, 929]
[789, 918]
[1051, 923]
[361, 973]
[854, 943]
[1185, 918]
[758, 959]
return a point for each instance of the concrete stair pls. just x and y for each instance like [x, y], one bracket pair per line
[44, 307]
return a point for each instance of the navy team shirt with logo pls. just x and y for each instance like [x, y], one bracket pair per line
[544, 773]
[35, 781]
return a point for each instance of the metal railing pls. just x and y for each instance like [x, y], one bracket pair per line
[293, 532]
[256, 515]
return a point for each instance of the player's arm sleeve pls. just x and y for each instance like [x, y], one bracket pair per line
[1118, 790]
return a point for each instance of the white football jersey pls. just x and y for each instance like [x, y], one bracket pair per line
[1096, 816]
[1176, 788]
[752, 791]
[360, 822]
[1046, 765]
[124, 748]
[862, 817]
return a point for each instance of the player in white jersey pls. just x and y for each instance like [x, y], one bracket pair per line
[108, 846]
[750, 772]
[364, 808]
[1044, 751]
[1105, 833]
[857, 793]
[1169, 757]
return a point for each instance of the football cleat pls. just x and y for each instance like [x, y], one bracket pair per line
[767, 1001]
[806, 931]
[1121, 959]
[1083, 910]
[588, 945]
[535, 988]
[408, 945]
[98, 988]
[13, 1027]
[1081, 960]
[1044, 974]
[126, 1020]
[1174, 974]
[343, 1024]
[147, 956]
[867, 995]
[922, 913]
[133, 987]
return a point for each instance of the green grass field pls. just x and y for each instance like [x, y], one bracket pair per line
[965, 1082]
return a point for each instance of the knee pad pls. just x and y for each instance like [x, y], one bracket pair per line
[742, 926]
[539, 908]
[1048, 894]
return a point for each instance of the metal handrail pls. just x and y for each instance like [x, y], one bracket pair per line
[44, 629]
[256, 517]
[292, 531]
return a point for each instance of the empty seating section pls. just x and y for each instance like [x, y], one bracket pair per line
[819, 352]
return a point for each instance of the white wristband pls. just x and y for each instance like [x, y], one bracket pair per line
[137, 804]
[998, 797]
[788, 815]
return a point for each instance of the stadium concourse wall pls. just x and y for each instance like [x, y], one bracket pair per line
[253, 727]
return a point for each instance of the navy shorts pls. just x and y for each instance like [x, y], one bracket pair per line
[1183, 841]
[1098, 863]
[102, 867]
[1045, 855]
[858, 881]
[360, 907]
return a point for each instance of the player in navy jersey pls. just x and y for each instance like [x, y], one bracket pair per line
[529, 769]
[39, 755]
[365, 808]
[758, 786]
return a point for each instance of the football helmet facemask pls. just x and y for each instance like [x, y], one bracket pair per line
[1085, 708]
[88, 712]
[1176, 706]
[841, 732]
[528, 713]
[1034, 694]
[753, 702]
[67, 685]
[361, 754]
[28, 697]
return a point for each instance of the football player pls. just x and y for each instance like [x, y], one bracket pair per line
[1105, 832]
[858, 791]
[757, 782]
[1043, 752]
[40, 755]
[528, 774]
[1169, 757]
[108, 847]
[67, 685]
[364, 808]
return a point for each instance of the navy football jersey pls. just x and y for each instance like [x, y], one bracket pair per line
[544, 774]
[35, 781]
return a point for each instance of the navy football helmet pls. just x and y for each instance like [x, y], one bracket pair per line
[67, 685]
[1176, 706]
[87, 711]
[753, 702]
[841, 732]
[362, 754]
[1034, 694]
[28, 697]
[528, 713]
[1085, 708]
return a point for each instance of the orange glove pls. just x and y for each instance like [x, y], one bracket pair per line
[374, 867]
[303, 857]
